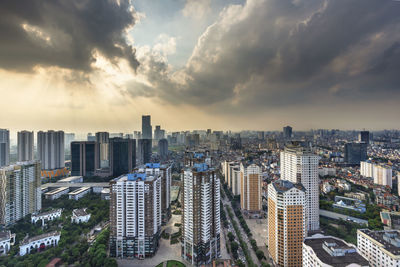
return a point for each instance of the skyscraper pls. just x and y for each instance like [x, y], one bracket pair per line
[69, 137]
[102, 139]
[300, 165]
[84, 158]
[135, 215]
[159, 133]
[250, 189]
[4, 147]
[354, 153]
[20, 191]
[363, 137]
[201, 215]
[163, 149]
[122, 155]
[286, 222]
[50, 146]
[25, 146]
[146, 127]
[287, 132]
[144, 151]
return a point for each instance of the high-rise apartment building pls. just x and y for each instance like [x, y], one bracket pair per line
[25, 146]
[20, 191]
[382, 175]
[69, 137]
[102, 139]
[201, 215]
[135, 215]
[250, 189]
[159, 133]
[50, 146]
[154, 169]
[4, 147]
[354, 153]
[144, 151]
[146, 127]
[300, 165]
[163, 149]
[122, 155]
[84, 158]
[287, 132]
[286, 222]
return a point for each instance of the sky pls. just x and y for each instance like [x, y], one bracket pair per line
[95, 65]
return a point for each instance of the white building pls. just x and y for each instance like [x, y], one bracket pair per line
[201, 215]
[286, 222]
[236, 181]
[325, 171]
[300, 165]
[6, 241]
[20, 191]
[50, 147]
[327, 187]
[4, 147]
[25, 146]
[380, 248]
[56, 193]
[79, 193]
[39, 243]
[135, 215]
[329, 251]
[48, 215]
[80, 216]
[72, 180]
[382, 174]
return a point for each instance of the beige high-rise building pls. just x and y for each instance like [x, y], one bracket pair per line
[286, 222]
[250, 189]
[25, 146]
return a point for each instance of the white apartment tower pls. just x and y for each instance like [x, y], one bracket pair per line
[4, 147]
[201, 215]
[286, 222]
[135, 215]
[25, 146]
[300, 165]
[382, 174]
[165, 172]
[50, 146]
[250, 188]
[20, 191]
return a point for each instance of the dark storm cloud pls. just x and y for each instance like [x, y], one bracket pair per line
[280, 52]
[63, 33]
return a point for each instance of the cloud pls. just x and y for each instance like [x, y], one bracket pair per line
[270, 53]
[196, 9]
[64, 33]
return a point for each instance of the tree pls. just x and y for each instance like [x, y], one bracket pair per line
[260, 254]
[231, 236]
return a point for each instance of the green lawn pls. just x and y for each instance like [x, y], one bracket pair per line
[172, 263]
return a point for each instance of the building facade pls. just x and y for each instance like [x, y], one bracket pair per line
[201, 215]
[84, 158]
[25, 146]
[380, 248]
[286, 222]
[50, 146]
[102, 139]
[300, 165]
[250, 189]
[135, 214]
[163, 149]
[354, 153]
[382, 174]
[122, 155]
[147, 132]
[4, 147]
[144, 151]
[20, 191]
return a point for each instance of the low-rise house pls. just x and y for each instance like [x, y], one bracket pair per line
[80, 216]
[47, 215]
[39, 243]
[6, 241]
[79, 193]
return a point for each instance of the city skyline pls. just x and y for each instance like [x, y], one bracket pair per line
[255, 64]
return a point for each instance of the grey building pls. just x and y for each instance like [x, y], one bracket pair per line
[25, 146]
[364, 137]
[287, 132]
[355, 152]
[122, 155]
[146, 127]
[50, 146]
[144, 151]
[84, 158]
[163, 149]
[4, 147]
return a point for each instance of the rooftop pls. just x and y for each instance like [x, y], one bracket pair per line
[69, 179]
[153, 165]
[389, 239]
[47, 212]
[284, 185]
[79, 212]
[79, 190]
[38, 237]
[348, 254]
[5, 235]
[200, 167]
